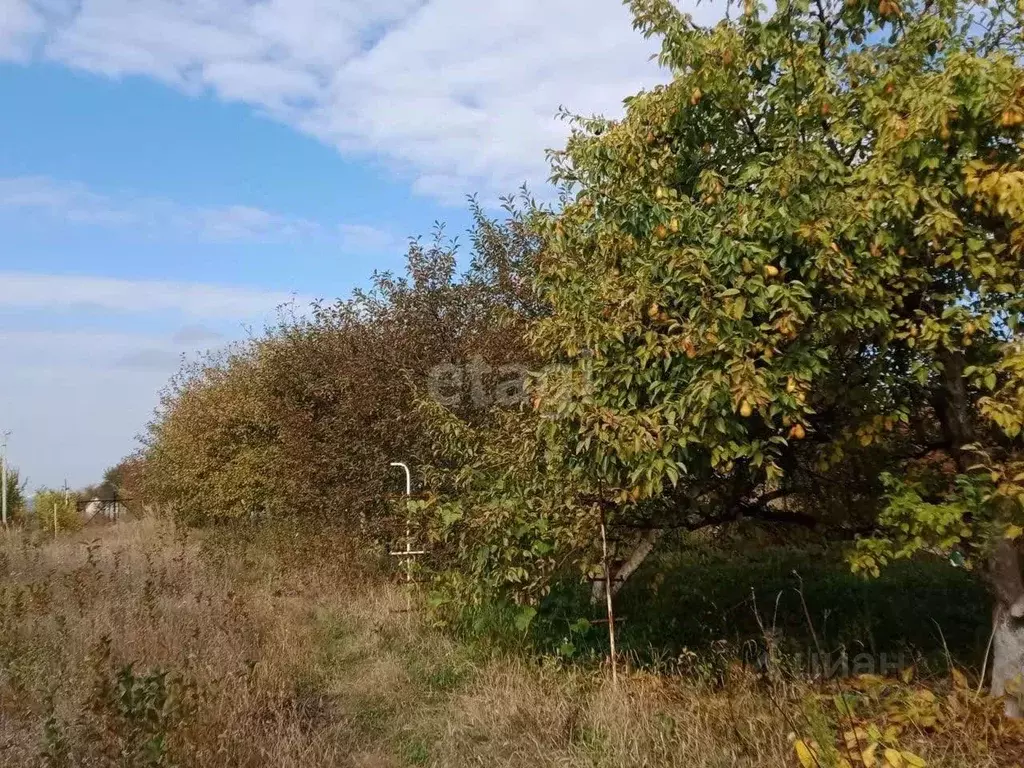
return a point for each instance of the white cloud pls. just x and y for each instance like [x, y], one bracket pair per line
[89, 349]
[76, 399]
[34, 339]
[74, 390]
[20, 26]
[364, 239]
[196, 334]
[75, 203]
[24, 290]
[72, 421]
[70, 200]
[459, 95]
[240, 222]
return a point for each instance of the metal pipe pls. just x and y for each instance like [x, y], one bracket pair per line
[408, 535]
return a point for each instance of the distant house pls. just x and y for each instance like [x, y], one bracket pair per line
[100, 509]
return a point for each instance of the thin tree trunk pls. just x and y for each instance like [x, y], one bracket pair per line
[635, 560]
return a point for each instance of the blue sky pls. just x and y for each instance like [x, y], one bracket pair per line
[172, 170]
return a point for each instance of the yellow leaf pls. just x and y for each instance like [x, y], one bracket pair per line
[907, 674]
[855, 737]
[804, 754]
[894, 758]
[868, 756]
[913, 760]
[1013, 531]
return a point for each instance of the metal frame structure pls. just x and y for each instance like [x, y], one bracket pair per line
[408, 554]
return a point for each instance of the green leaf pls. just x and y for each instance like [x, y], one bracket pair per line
[524, 617]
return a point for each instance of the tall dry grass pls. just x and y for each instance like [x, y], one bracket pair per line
[141, 644]
[237, 639]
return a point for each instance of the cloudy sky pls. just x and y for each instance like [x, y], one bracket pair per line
[173, 170]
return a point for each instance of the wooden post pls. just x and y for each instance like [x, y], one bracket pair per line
[608, 600]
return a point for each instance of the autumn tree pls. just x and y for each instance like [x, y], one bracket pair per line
[796, 267]
[304, 420]
[212, 446]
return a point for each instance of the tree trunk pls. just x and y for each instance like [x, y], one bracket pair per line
[954, 406]
[1008, 660]
[1008, 627]
[636, 559]
[954, 410]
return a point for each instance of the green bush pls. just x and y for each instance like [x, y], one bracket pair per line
[46, 502]
[699, 605]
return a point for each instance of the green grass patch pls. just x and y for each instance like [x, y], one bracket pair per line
[416, 751]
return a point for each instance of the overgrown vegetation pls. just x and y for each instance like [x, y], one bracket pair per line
[150, 645]
[55, 511]
[304, 420]
[15, 494]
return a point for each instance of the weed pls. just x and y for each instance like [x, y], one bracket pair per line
[416, 752]
[161, 647]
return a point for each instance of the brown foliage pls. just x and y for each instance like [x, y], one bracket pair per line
[305, 419]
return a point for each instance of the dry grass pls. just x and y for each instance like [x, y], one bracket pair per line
[281, 654]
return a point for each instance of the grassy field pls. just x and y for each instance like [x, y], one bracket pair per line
[141, 645]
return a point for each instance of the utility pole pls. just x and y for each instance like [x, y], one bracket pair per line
[3, 477]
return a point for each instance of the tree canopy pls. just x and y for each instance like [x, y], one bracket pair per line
[801, 256]
[304, 420]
